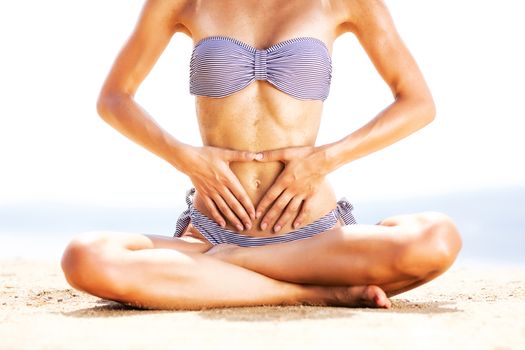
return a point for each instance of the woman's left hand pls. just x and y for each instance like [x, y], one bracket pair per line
[293, 189]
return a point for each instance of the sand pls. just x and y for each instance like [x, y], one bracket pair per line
[468, 307]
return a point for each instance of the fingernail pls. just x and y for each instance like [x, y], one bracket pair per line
[252, 215]
[277, 228]
[248, 225]
[222, 224]
[258, 156]
[239, 227]
[258, 215]
[263, 225]
[296, 225]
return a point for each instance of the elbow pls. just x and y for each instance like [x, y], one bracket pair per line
[426, 111]
[102, 106]
[429, 110]
[106, 104]
[420, 108]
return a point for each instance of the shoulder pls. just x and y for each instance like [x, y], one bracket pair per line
[169, 5]
[169, 12]
[364, 15]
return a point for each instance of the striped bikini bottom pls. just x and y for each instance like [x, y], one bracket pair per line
[216, 234]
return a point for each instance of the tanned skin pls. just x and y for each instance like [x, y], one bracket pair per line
[260, 173]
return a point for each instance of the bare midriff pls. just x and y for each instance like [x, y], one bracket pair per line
[261, 117]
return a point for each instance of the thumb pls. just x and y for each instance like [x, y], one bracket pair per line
[239, 156]
[283, 154]
[272, 156]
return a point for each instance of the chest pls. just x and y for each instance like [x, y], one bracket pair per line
[263, 23]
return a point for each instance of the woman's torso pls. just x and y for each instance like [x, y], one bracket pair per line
[261, 117]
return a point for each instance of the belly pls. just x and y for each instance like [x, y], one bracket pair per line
[245, 121]
[256, 179]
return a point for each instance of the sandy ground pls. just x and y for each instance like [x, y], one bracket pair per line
[469, 307]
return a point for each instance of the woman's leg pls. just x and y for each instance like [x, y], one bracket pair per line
[169, 273]
[400, 253]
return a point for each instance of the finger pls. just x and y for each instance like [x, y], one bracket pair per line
[282, 154]
[291, 210]
[276, 210]
[240, 194]
[269, 197]
[238, 156]
[213, 211]
[237, 208]
[271, 156]
[303, 214]
[227, 212]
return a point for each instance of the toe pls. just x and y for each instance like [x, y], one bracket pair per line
[376, 297]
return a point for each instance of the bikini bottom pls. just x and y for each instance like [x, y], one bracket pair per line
[216, 234]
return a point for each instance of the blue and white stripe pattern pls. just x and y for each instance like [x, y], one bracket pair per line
[222, 65]
[215, 234]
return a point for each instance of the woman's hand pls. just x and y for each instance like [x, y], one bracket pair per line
[222, 193]
[293, 189]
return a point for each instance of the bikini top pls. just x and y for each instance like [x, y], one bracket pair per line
[300, 67]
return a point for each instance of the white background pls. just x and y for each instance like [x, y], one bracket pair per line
[55, 55]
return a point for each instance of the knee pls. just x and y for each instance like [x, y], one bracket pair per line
[89, 265]
[434, 246]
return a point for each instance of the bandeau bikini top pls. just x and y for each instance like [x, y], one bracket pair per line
[300, 67]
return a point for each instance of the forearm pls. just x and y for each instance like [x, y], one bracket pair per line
[397, 121]
[130, 119]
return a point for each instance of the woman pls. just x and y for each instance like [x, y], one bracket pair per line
[263, 225]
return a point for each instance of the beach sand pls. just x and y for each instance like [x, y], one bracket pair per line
[468, 307]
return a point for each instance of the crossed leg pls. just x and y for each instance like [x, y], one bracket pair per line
[400, 253]
[337, 267]
[157, 272]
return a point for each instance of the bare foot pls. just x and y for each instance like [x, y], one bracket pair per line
[362, 296]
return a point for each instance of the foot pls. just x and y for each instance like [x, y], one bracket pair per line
[362, 296]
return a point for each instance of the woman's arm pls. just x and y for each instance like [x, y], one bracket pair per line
[208, 167]
[116, 104]
[412, 109]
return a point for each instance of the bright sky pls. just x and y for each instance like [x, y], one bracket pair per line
[56, 54]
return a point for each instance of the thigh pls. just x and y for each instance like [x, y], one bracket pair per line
[110, 243]
[91, 259]
[190, 241]
[399, 248]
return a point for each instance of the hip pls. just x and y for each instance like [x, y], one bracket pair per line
[192, 223]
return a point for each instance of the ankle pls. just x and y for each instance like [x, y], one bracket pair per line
[317, 296]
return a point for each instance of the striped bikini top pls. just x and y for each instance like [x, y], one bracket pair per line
[300, 67]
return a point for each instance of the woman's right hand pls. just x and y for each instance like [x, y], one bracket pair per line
[209, 170]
